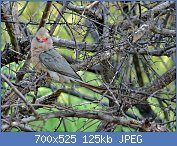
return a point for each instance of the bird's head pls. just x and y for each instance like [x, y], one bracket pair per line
[42, 39]
[42, 35]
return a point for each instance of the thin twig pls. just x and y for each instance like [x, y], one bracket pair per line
[94, 115]
[52, 29]
[19, 94]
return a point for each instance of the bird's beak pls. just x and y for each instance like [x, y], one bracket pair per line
[41, 39]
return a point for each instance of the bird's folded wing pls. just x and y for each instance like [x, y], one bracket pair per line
[57, 63]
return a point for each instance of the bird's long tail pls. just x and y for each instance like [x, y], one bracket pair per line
[92, 87]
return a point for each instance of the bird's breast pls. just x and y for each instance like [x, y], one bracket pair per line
[36, 61]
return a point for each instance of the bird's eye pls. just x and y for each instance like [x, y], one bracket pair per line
[37, 38]
[45, 39]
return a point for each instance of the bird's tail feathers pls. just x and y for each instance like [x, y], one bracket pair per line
[92, 87]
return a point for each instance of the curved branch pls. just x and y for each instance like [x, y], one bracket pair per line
[142, 126]
[144, 93]
[19, 94]
[85, 10]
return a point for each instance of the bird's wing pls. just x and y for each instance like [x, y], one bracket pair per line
[57, 63]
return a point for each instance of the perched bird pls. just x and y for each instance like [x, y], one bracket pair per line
[46, 59]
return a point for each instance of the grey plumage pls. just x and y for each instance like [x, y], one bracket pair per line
[57, 63]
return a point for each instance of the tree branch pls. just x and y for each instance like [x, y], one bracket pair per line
[45, 14]
[142, 126]
[19, 94]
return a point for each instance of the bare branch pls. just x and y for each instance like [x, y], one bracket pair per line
[9, 26]
[19, 94]
[142, 126]
[45, 14]
[52, 29]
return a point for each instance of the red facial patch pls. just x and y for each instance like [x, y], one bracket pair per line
[41, 39]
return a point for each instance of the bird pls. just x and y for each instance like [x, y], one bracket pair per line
[45, 58]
